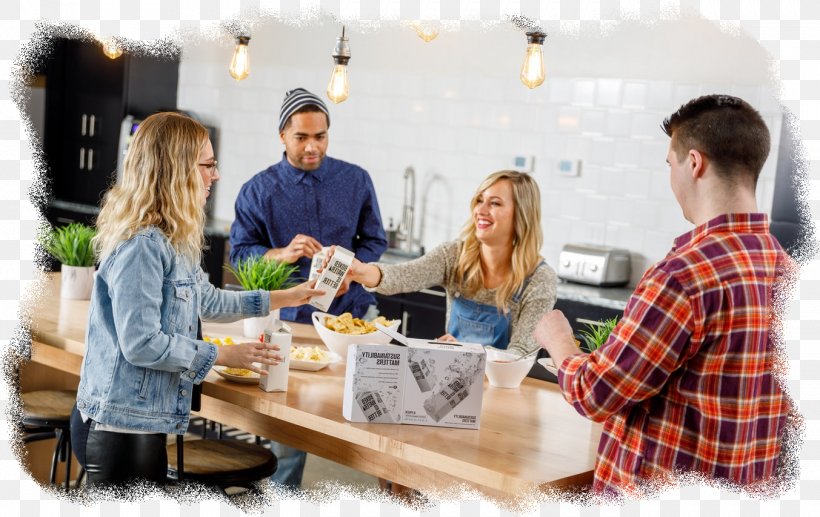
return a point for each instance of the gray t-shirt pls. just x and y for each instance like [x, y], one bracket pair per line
[434, 268]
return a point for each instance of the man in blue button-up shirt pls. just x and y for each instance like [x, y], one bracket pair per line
[291, 209]
[309, 200]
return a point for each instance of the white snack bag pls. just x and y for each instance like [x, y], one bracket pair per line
[331, 278]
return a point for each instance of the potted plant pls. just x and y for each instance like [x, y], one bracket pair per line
[261, 273]
[595, 334]
[71, 246]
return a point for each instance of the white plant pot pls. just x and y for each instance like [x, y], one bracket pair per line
[253, 327]
[76, 282]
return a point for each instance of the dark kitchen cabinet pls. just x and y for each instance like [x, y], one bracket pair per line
[87, 97]
[578, 313]
[422, 313]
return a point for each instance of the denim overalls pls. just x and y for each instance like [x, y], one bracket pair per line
[475, 322]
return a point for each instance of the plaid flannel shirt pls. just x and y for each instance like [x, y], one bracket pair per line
[685, 382]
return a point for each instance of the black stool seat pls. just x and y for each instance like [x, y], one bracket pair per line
[225, 463]
[47, 414]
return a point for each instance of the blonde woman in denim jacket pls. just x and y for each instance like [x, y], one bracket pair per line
[142, 356]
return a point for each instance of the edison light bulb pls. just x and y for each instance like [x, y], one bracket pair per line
[240, 65]
[426, 31]
[532, 70]
[111, 49]
[338, 89]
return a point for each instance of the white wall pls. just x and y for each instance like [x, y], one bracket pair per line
[455, 110]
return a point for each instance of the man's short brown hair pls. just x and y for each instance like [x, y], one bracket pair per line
[726, 129]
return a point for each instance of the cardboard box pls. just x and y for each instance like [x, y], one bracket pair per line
[424, 383]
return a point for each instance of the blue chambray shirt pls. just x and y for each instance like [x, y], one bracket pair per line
[335, 204]
[142, 356]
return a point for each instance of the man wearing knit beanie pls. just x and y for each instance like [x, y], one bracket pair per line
[292, 209]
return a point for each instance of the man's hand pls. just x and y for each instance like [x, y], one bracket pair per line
[300, 246]
[555, 336]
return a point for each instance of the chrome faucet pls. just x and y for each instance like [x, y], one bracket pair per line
[404, 235]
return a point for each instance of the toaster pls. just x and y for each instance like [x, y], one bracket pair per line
[594, 265]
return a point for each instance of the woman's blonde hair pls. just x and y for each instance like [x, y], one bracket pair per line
[527, 239]
[160, 186]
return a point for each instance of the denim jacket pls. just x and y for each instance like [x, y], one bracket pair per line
[142, 356]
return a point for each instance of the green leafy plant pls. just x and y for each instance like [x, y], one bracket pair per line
[261, 273]
[71, 244]
[596, 334]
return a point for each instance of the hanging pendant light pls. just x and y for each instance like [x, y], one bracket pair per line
[532, 70]
[111, 48]
[338, 88]
[240, 63]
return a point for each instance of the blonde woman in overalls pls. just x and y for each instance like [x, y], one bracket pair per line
[498, 285]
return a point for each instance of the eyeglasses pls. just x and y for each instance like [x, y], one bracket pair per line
[210, 167]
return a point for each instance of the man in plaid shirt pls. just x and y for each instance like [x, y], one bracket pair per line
[685, 382]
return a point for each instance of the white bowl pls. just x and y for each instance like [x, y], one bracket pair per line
[504, 370]
[339, 343]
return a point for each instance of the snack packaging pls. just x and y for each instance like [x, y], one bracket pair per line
[331, 278]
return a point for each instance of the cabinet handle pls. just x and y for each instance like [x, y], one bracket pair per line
[405, 319]
[91, 124]
[90, 159]
[83, 126]
[82, 158]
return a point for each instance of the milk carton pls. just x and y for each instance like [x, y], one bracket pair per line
[424, 382]
[316, 262]
[277, 377]
[331, 278]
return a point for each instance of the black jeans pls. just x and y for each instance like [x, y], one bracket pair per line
[110, 457]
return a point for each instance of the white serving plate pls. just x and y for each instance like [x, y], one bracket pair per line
[548, 363]
[314, 366]
[253, 378]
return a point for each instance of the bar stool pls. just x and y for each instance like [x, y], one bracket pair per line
[46, 415]
[224, 463]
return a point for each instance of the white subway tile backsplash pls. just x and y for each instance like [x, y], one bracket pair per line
[569, 119]
[618, 212]
[636, 183]
[583, 93]
[611, 182]
[643, 213]
[635, 94]
[653, 154]
[608, 93]
[750, 93]
[602, 151]
[560, 90]
[660, 97]
[684, 93]
[627, 152]
[646, 124]
[619, 123]
[593, 122]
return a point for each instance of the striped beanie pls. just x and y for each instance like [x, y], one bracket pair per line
[297, 99]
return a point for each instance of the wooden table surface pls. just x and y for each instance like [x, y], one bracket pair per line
[529, 439]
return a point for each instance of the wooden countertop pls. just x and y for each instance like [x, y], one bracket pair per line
[530, 438]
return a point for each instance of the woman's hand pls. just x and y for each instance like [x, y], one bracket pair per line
[366, 274]
[294, 296]
[447, 337]
[245, 355]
